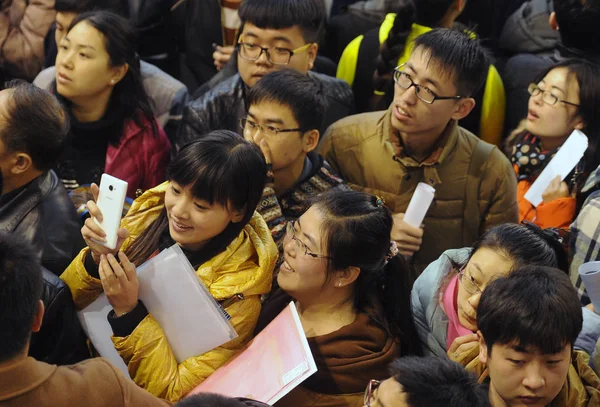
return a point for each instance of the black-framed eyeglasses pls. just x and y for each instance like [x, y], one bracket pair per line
[428, 96]
[369, 392]
[275, 55]
[468, 282]
[266, 129]
[547, 97]
[290, 229]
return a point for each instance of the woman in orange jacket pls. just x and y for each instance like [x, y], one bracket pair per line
[566, 98]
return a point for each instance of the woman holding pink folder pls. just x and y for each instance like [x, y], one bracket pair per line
[566, 98]
[352, 292]
[208, 209]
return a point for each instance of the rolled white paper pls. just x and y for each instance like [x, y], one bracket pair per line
[419, 204]
[590, 275]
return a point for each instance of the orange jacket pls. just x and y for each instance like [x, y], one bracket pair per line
[559, 213]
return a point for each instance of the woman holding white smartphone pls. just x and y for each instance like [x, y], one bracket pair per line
[208, 208]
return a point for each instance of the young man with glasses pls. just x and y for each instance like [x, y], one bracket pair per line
[275, 35]
[285, 113]
[418, 140]
[426, 382]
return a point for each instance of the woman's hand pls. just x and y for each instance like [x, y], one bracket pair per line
[461, 345]
[555, 190]
[92, 232]
[120, 282]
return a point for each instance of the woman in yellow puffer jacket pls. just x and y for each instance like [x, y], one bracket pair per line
[208, 208]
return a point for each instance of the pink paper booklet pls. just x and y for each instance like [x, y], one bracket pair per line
[274, 362]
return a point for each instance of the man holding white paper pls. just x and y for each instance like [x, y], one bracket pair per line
[418, 140]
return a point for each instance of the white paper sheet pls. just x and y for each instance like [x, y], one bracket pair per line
[562, 164]
[590, 276]
[419, 204]
[191, 319]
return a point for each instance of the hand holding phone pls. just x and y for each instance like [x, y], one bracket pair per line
[101, 231]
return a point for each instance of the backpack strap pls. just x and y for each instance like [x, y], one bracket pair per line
[472, 217]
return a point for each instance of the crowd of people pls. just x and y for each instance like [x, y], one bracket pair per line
[278, 143]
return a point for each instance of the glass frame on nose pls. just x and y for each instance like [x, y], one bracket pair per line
[547, 97]
[286, 54]
[266, 129]
[426, 95]
[469, 285]
[290, 230]
[371, 387]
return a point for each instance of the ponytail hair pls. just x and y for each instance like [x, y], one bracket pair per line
[356, 232]
[428, 13]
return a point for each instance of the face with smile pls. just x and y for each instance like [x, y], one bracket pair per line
[194, 222]
[420, 124]
[524, 377]
[290, 38]
[554, 123]
[484, 266]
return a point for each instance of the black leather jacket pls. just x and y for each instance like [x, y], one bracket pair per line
[222, 107]
[42, 214]
[61, 340]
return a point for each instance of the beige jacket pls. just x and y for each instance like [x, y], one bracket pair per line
[23, 27]
[359, 148]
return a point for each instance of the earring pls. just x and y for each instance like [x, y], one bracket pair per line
[339, 284]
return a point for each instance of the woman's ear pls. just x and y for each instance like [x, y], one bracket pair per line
[483, 353]
[346, 277]
[580, 125]
[118, 74]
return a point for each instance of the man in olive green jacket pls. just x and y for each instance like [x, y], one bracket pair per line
[418, 140]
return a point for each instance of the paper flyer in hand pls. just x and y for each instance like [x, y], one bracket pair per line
[277, 360]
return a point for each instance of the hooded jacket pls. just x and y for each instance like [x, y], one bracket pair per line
[244, 267]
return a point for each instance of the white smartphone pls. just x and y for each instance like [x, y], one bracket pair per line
[110, 202]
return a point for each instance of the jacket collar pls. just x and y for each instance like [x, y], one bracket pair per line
[23, 376]
[445, 145]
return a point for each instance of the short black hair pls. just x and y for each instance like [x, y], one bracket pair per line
[35, 123]
[437, 382]
[20, 291]
[308, 14]
[302, 94]
[578, 22]
[209, 400]
[459, 55]
[82, 6]
[534, 307]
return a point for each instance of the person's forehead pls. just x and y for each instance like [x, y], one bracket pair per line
[426, 66]
[271, 109]
[291, 34]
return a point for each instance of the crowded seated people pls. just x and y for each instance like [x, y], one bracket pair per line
[527, 325]
[352, 291]
[445, 296]
[23, 26]
[426, 381]
[34, 205]
[208, 208]
[565, 98]
[285, 113]
[276, 35]
[368, 62]
[577, 24]
[418, 140]
[168, 95]
[25, 381]
[113, 129]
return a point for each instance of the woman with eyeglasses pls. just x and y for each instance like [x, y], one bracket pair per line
[207, 208]
[445, 296]
[352, 291]
[566, 98]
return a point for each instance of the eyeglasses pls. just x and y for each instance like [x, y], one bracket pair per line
[275, 55]
[266, 129]
[290, 229]
[428, 96]
[369, 396]
[468, 282]
[547, 97]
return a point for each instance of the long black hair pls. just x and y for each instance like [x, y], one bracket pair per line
[356, 232]
[424, 12]
[129, 95]
[221, 168]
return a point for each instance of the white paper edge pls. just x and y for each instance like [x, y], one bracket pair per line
[312, 367]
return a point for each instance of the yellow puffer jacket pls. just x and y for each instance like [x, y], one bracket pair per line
[493, 105]
[245, 267]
